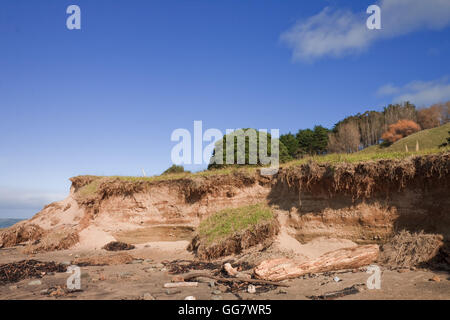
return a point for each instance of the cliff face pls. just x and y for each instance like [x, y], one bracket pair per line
[364, 202]
[367, 201]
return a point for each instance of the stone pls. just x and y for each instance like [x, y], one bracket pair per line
[137, 261]
[282, 291]
[217, 292]
[148, 296]
[251, 289]
[159, 265]
[435, 279]
[125, 274]
[12, 287]
[35, 283]
[177, 279]
[190, 298]
[171, 292]
[57, 292]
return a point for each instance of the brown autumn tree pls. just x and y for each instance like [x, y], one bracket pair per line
[400, 129]
[346, 139]
[446, 112]
[431, 117]
[372, 124]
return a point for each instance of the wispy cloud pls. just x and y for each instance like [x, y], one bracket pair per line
[421, 93]
[24, 203]
[387, 90]
[342, 32]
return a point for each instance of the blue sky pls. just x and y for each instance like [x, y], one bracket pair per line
[105, 99]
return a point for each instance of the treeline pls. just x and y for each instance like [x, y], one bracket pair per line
[349, 135]
[366, 129]
[308, 141]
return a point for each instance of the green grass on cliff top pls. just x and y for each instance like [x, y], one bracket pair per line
[376, 154]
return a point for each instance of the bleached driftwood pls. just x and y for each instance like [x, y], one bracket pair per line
[232, 272]
[348, 258]
[180, 284]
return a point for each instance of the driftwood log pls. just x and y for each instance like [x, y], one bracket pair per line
[348, 258]
[181, 284]
[255, 281]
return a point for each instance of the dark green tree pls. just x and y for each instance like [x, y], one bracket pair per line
[251, 143]
[313, 141]
[320, 140]
[284, 153]
[305, 141]
[291, 143]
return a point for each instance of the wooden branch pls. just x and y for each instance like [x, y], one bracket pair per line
[255, 281]
[232, 272]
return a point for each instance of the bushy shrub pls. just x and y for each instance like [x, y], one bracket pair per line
[399, 130]
[175, 169]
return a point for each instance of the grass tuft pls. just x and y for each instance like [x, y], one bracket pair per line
[227, 222]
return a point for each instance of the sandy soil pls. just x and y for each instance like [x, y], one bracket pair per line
[145, 277]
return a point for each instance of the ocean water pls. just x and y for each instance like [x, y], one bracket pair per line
[5, 223]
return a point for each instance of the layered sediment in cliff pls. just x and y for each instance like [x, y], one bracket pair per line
[363, 202]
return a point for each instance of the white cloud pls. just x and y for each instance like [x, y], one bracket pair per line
[421, 93]
[30, 202]
[341, 32]
[388, 89]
